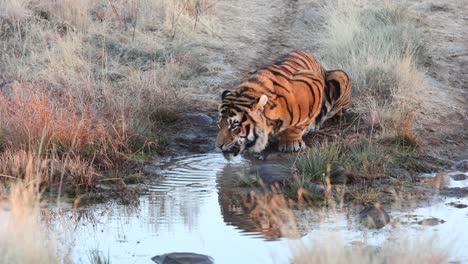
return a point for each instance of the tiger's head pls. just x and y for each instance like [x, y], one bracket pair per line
[242, 124]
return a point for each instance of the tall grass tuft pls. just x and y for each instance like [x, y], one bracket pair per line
[406, 251]
[23, 238]
[360, 156]
[14, 11]
[94, 83]
[380, 46]
[314, 164]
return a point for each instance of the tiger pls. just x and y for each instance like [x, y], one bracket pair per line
[279, 100]
[337, 96]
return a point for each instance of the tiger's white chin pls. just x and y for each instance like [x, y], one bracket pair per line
[260, 143]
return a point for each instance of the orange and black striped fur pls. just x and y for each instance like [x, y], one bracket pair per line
[337, 96]
[279, 100]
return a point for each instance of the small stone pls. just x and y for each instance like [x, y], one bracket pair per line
[459, 177]
[311, 16]
[104, 187]
[183, 258]
[461, 166]
[374, 217]
[341, 176]
[458, 205]
[431, 221]
[338, 176]
[137, 186]
[401, 173]
[199, 119]
[153, 170]
[439, 8]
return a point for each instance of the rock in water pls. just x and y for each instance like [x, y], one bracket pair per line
[183, 258]
[462, 165]
[431, 221]
[458, 177]
[374, 217]
[402, 173]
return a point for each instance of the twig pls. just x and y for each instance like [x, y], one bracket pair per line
[135, 21]
[114, 179]
[9, 177]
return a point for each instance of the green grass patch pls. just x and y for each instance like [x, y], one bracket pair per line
[314, 163]
[250, 181]
[362, 156]
[134, 178]
[365, 160]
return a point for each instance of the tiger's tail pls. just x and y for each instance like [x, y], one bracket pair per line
[337, 96]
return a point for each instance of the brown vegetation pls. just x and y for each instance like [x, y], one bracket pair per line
[85, 86]
[23, 237]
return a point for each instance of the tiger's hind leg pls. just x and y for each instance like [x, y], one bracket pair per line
[290, 140]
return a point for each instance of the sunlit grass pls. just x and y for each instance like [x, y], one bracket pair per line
[381, 48]
[23, 237]
[95, 83]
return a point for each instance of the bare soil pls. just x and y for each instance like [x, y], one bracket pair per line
[443, 121]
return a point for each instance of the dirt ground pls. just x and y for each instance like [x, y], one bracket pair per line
[253, 33]
[443, 121]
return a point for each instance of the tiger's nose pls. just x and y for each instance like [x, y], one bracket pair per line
[220, 146]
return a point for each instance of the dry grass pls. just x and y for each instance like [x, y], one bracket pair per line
[73, 171]
[380, 47]
[23, 238]
[32, 116]
[93, 83]
[14, 11]
[69, 14]
[406, 251]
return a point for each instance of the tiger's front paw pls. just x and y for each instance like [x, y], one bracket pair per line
[291, 145]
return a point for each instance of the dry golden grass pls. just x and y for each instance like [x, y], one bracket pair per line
[33, 116]
[380, 47]
[14, 11]
[51, 171]
[69, 14]
[92, 83]
[23, 238]
[406, 251]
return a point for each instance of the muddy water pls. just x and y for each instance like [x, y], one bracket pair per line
[196, 207]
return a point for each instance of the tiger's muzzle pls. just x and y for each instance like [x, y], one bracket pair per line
[232, 148]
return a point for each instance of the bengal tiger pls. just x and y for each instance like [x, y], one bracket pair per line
[281, 100]
[337, 96]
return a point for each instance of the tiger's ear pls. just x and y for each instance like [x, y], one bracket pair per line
[225, 93]
[260, 104]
